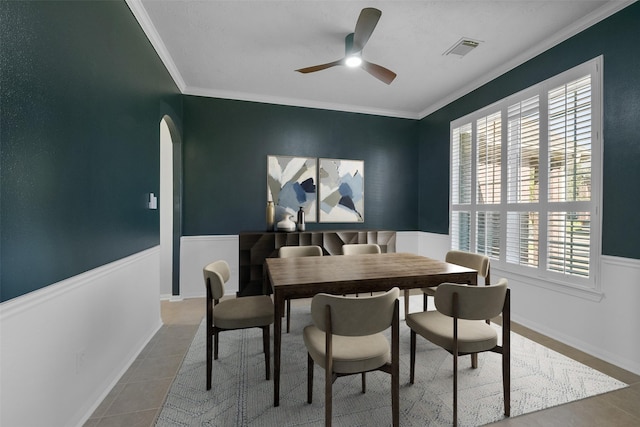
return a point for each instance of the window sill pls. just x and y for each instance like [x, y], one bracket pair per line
[567, 288]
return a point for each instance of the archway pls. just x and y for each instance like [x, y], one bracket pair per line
[169, 209]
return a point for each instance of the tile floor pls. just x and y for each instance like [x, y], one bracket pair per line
[137, 398]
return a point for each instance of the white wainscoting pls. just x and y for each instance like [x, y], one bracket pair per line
[65, 346]
[608, 328]
[198, 251]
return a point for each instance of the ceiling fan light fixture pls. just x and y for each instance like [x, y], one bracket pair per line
[353, 61]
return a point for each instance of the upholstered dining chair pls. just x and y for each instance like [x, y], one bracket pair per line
[346, 339]
[236, 313]
[363, 248]
[292, 252]
[477, 262]
[458, 326]
[360, 249]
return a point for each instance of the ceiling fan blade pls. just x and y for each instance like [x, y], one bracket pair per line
[320, 67]
[378, 71]
[367, 22]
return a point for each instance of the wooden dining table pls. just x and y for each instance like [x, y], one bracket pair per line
[304, 277]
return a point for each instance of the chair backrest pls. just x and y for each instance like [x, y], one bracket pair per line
[478, 262]
[299, 251]
[357, 249]
[355, 316]
[216, 274]
[474, 302]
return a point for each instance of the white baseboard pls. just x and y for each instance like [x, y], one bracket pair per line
[66, 345]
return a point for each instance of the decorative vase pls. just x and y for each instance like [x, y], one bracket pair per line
[287, 224]
[301, 225]
[271, 212]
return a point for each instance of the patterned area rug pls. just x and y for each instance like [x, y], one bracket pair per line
[540, 378]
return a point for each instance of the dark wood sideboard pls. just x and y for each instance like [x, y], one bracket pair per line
[256, 246]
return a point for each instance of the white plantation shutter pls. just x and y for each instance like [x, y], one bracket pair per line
[522, 238]
[523, 192]
[488, 234]
[569, 242]
[488, 162]
[523, 141]
[569, 177]
[570, 141]
[461, 230]
[544, 145]
[461, 187]
[461, 165]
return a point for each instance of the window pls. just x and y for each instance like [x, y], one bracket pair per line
[525, 179]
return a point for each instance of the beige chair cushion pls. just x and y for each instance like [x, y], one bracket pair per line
[473, 335]
[350, 354]
[243, 312]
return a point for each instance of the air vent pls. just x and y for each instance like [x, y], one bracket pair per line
[462, 47]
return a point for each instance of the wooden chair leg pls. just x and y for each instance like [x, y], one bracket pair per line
[309, 378]
[266, 339]
[288, 315]
[455, 389]
[412, 358]
[215, 343]
[209, 357]
[506, 384]
[328, 396]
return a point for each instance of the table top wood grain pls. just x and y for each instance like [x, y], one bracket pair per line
[305, 276]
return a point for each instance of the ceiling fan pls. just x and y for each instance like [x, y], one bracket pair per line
[354, 43]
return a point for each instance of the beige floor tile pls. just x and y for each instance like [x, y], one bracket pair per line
[140, 396]
[627, 399]
[155, 367]
[134, 419]
[106, 403]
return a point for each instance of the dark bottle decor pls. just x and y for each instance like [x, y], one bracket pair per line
[301, 225]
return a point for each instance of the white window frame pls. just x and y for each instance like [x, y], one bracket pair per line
[588, 287]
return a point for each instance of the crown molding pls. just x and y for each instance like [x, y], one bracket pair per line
[266, 99]
[141, 15]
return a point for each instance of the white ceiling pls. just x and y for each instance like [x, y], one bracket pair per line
[248, 50]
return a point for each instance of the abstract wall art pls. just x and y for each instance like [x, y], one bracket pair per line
[291, 184]
[341, 190]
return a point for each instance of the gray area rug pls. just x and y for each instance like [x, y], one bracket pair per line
[240, 396]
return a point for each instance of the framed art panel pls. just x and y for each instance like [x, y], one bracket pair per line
[291, 184]
[341, 190]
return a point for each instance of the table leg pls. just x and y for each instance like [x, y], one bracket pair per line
[407, 294]
[277, 343]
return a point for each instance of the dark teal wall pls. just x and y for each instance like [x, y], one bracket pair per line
[226, 144]
[617, 39]
[83, 92]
